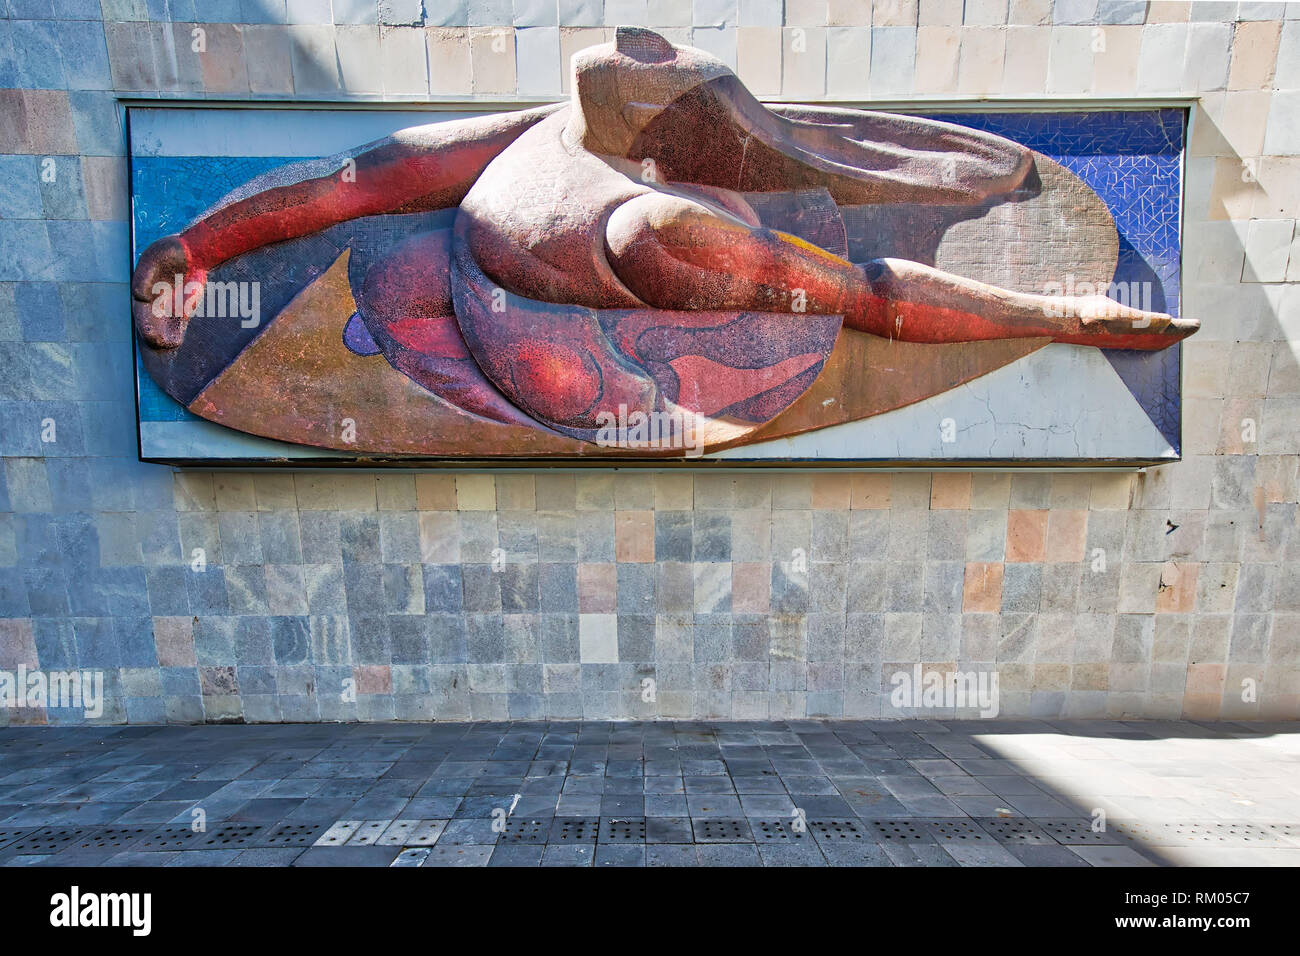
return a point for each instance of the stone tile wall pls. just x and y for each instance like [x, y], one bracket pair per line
[603, 594]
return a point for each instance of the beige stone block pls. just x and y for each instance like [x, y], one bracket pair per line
[1204, 372]
[1242, 122]
[803, 62]
[1031, 13]
[848, 61]
[1169, 11]
[893, 13]
[359, 60]
[274, 492]
[221, 63]
[476, 493]
[1070, 60]
[573, 39]
[758, 59]
[1254, 54]
[950, 491]
[806, 13]
[404, 62]
[938, 56]
[105, 181]
[1278, 193]
[870, 492]
[983, 13]
[990, 492]
[983, 50]
[516, 493]
[316, 491]
[492, 60]
[673, 492]
[268, 58]
[450, 72]
[194, 491]
[1236, 191]
[234, 491]
[1025, 68]
[1284, 370]
[634, 536]
[357, 492]
[848, 13]
[435, 492]
[910, 490]
[395, 492]
[1115, 67]
[939, 13]
[1111, 491]
[831, 492]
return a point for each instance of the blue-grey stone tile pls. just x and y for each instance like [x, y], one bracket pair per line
[290, 639]
[20, 187]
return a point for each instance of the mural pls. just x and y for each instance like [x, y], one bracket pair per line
[664, 268]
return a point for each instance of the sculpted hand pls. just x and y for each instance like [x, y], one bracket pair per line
[166, 289]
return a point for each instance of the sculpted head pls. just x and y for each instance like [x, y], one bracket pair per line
[619, 87]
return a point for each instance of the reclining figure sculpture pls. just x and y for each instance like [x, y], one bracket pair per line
[661, 242]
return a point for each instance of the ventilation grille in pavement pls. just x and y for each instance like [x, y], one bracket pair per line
[838, 831]
[779, 831]
[111, 838]
[176, 837]
[622, 830]
[1015, 832]
[48, 840]
[292, 834]
[899, 831]
[1077, 832]
[229, 836]
[574, 830]
[712, 830]
[957, 831]
[526, 830]
[12, 834]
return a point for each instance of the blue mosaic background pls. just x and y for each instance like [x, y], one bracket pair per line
[1132, 159]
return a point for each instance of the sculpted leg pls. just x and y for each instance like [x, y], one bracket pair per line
[675, 253]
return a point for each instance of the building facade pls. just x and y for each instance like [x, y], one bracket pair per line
[317, 594]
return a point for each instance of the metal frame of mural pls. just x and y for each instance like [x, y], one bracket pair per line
[854, 288]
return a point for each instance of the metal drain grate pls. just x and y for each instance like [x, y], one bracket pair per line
[838, 831]
[778, 831]
[526, 830]
[574, 830]
[292, 834]
[713, 830]
[423, 833]
[369, 832]
[1287, 832]
[339, 833]
[899, 831]
[230, 836]
[48, 840]
[622, 830]
[11, 834]
[176, 837]
[1077, 833]
[957, 830]
[111, 838]
[1237, 833]
[1015, 832]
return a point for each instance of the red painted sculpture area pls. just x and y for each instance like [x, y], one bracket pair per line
[661, 248]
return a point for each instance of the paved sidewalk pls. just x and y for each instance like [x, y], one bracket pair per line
[797, 793]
